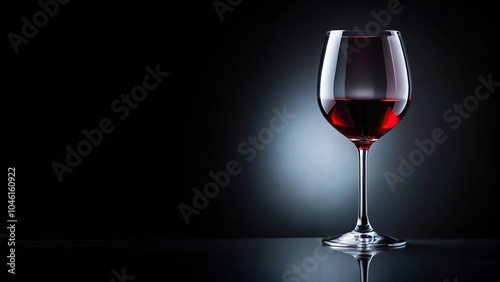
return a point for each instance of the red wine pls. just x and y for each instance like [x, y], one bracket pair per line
[364, 121]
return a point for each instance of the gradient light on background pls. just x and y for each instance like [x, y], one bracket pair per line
[226, 79]
[305, 182]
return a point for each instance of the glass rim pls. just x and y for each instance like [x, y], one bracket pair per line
[363, 32]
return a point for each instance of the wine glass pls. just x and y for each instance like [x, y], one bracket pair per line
[364, 90]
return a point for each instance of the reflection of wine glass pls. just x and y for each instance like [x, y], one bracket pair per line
[364, 257]
[364, 90]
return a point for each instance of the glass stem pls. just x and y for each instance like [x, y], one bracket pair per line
[363, 224]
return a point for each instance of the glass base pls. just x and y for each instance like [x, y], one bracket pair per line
[366, 241]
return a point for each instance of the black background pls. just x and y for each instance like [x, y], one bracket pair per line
[226, 77]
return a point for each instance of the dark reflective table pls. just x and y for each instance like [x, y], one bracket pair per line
[276, 259]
